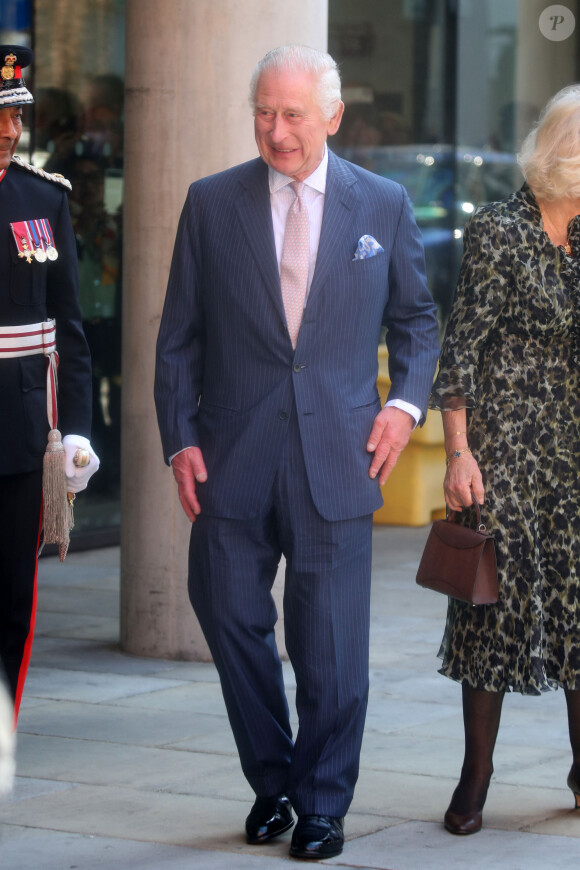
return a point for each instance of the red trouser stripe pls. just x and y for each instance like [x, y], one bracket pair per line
[28, 645]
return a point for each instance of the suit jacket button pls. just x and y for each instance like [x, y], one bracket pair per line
[297, 367]
[282, 415]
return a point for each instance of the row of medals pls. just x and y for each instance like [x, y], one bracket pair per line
[40, 254]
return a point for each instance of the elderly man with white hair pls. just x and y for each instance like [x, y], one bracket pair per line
[285, 268]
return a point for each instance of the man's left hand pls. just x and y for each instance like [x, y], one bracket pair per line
[389, 436]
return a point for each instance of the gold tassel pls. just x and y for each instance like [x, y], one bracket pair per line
[57, 505]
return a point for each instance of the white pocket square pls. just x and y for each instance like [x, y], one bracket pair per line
[367, 247]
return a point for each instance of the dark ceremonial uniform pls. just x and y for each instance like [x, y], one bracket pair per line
[31, 292]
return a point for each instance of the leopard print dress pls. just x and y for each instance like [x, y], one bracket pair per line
[511, 357]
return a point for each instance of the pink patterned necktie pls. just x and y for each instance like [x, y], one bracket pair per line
[294, 263]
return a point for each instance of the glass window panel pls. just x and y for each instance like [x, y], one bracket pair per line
[438, 97]
[78, 131]
[396, 59]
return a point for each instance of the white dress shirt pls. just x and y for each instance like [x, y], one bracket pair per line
[281, 198]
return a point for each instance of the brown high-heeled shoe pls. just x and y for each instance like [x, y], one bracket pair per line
[574, 785]
[463, 823]
[470, 822]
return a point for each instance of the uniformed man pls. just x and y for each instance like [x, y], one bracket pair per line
[38, 310]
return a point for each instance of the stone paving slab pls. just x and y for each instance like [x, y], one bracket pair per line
[30, 787]
[86, 721]
[114, 764]
[26, 849]
[73, 654]
[77, 626]
[90, 686]
[417, 845]
[79, 600]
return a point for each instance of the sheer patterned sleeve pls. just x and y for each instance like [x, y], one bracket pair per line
[482, 288]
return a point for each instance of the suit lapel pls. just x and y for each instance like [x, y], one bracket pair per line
[340, 204]
[255, 216]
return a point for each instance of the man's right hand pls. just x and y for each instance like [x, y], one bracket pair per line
[189, 469]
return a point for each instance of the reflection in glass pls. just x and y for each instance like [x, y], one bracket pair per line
[437, 97]
[78, 131]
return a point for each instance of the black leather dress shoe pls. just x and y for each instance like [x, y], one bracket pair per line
[317, 837]
[268, 817]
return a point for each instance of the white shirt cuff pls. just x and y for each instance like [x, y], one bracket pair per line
[406, 406]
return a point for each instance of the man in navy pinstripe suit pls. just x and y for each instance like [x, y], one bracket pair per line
[280, 449]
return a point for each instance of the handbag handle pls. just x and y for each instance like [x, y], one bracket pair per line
[480, 526]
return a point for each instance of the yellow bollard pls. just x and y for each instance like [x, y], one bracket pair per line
[413, 493]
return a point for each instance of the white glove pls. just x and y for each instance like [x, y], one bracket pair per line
[77, 477]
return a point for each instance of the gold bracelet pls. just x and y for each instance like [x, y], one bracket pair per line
[455, 454]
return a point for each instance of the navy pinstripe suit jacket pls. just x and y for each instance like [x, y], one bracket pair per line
[226, 374]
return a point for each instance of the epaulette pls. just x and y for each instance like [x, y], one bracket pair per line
[55, 177]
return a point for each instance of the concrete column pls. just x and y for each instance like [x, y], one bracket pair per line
[187, 115]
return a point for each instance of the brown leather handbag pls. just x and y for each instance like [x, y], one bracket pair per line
[459, 561]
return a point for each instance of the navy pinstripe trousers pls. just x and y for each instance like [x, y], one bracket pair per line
[232, 566]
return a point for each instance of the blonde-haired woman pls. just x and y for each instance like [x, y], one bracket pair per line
[509, 389]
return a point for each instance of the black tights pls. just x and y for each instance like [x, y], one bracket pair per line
[481, 716]
[573, 704]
